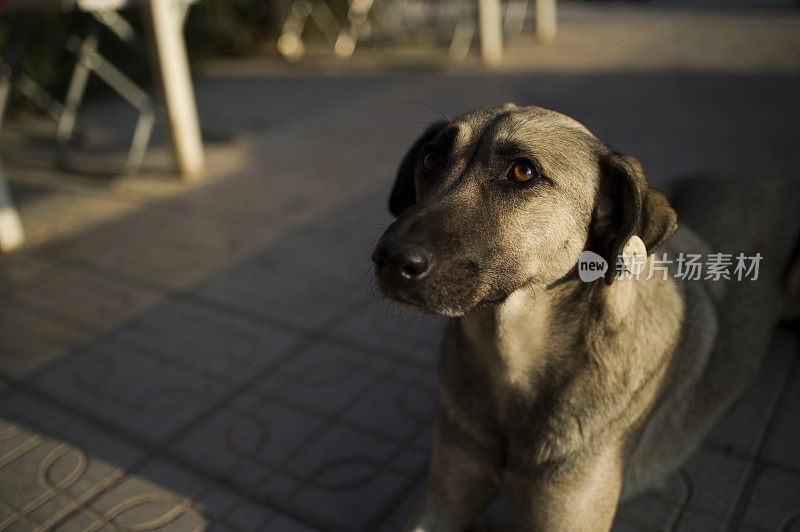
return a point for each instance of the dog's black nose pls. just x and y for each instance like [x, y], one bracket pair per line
[406, 263]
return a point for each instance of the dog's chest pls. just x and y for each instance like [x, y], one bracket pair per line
[515, 348]
[511, 340]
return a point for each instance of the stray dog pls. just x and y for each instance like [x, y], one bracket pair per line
[566, 395]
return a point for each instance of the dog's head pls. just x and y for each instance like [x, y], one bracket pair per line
[507, 196]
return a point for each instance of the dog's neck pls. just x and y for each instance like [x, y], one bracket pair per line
[530, 330]
[539, 331]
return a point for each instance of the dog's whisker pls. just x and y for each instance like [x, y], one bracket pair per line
[432, 108]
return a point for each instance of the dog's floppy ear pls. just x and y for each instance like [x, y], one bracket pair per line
[403, 193]
[636, 209]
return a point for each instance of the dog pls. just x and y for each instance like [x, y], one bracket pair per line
[568, 396]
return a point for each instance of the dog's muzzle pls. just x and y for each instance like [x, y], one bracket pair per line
[401, 267]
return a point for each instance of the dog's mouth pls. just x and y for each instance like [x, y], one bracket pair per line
[445, 299]
[402, 300]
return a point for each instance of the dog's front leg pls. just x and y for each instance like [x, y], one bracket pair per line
[582, 496]
[458, 488]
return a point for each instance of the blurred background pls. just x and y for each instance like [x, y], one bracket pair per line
[189, 195]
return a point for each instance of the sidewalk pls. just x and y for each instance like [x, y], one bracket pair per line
[212, 356]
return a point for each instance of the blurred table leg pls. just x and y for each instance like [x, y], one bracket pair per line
[11, 235]
[491, 29]
[545, 20]
[173, 66]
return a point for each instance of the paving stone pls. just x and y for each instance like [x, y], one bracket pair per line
[335, 250]
[205, 341]
[90, 301]
[621, 526]
[285, 524]
[398, 410]
[177, 250]
[324, 377]
[217, 502]
[129, 390]
[304, 302]
[249, 516]
[397, 519]
[52, 463]
[740, 429]
[353, 508]
[380, 325]
[32, 341]
[248, 445]
[775, 501]
[411, 462]
[656, 508]
[345, 478]
[20, 270]
[141, 503]
[714, 481]
[342, 458]
[783, 442]
[693, 521]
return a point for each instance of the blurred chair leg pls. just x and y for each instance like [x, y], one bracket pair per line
[140, 100]
[40, 97]
[85, 50]
[326, 21]
[462, 38]
[357, 25]
[141, 138]
[167, 36]
[545, 20]
[11, 235]
[491, 29]
[290, 41]
[5, 89]
[514, 20]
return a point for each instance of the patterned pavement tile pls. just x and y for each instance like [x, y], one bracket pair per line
[280, 523]
[336, 252]
[204, 341]
[352, 508]
[285, 439]
[304, 302]
[400, 514]
[741, 428]
[31, 341]
[129, 390]
[20, 270]
[247, 442]
[379, 325]
[88, 300]
[783, 443]
[165, 266]
[657, 508]
[714, 480]
[775, 501]
[347, 478]
[325, 377]
[397, 410]
[342, 458]
[693, 521]
[339, 476]
[164, 497]
[51, 463]
[412, 461]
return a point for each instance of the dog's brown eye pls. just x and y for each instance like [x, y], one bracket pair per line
[522, 172]
[431, 159]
